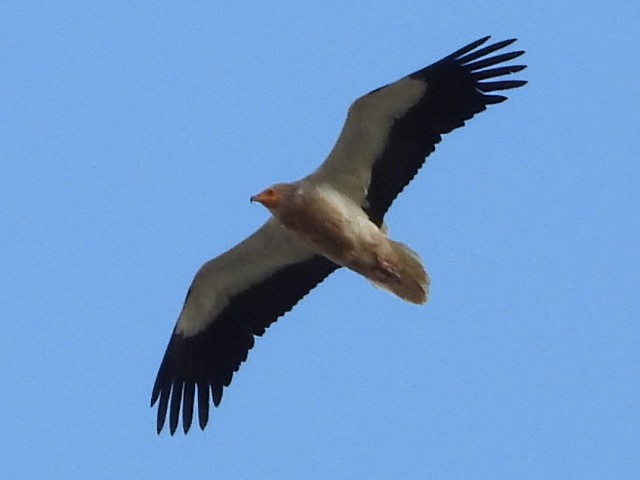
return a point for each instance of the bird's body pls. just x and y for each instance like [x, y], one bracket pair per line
[336, 227]
[330, 219]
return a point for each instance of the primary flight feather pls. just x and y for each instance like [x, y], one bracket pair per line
[330, 219]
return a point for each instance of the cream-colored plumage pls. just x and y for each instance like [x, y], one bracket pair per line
[331, 218]
[258, 256]
[332, 224]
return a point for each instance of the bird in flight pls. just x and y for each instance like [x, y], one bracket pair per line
[330, 219]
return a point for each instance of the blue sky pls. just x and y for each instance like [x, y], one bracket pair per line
[131, 137]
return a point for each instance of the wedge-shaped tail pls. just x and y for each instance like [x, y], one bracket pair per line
[408, 278]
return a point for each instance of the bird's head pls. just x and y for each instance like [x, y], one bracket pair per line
[275, 196]
[278, 197]
[269, 197]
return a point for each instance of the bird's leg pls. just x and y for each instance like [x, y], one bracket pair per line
[387, 269]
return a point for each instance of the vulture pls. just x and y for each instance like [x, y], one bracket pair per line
[330, 219]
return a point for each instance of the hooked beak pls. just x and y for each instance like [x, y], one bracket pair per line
[269, 198]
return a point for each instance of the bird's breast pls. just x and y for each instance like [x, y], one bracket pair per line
[331, 224]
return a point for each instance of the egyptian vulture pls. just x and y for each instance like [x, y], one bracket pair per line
[331, 218]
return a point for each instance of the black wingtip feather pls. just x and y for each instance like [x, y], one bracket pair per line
[174, 407]
[466, 49]
[154, 396]
[500, 85]
[497, 72]
[484, 51]
[162, 408]
[187, 406]
[203, 404]
[488, 62]
[494, 99]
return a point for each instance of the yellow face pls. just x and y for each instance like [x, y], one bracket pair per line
[270, 198]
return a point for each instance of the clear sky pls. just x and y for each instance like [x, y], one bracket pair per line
[131, 137]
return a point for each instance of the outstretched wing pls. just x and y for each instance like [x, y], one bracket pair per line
[233, 298]
[390, 131]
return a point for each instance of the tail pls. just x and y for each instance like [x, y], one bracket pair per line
[403, 274]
